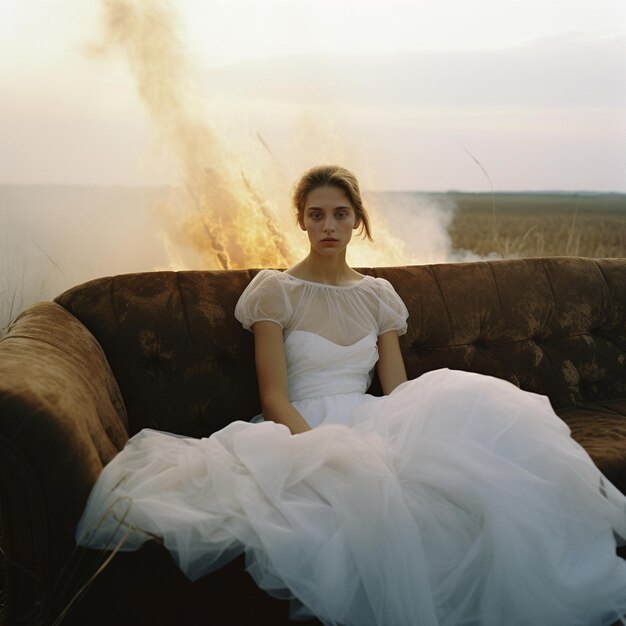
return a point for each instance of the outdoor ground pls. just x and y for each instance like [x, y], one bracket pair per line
[528, 224]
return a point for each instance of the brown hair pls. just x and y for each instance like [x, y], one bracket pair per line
[332, 176]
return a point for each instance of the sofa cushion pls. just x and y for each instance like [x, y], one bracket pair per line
[183, 362]
[553, 326]
[600, 427]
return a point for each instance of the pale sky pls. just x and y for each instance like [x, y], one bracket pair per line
[535, 90]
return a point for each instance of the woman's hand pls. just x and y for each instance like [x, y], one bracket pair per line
[390, 366]
[271, 371]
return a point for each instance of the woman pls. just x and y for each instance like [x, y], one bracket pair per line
[454, 499]
[329, 208]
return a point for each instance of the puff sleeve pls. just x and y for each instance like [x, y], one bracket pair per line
[264, 299]
[392, 312]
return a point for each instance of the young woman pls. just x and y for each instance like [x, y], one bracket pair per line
[454, 499]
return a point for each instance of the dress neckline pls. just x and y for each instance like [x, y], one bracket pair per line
[312, 282]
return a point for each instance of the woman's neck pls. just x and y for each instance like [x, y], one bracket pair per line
[330, 270]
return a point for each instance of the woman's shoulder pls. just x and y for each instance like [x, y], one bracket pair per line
[266, 274]
[381, 285]
[392, 312]
[266, 279]
[379, 281]
[264, 299]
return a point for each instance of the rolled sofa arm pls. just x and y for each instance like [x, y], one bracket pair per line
[61, 419]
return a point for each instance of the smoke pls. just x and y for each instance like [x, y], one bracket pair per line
[422, 221]
[231, 209]
[53, 237]
[221, 195]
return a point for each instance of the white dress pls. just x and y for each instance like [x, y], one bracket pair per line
[457, 500]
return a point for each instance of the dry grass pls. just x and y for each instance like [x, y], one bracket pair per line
[532, 225]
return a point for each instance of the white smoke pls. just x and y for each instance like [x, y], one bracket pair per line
[421, 221]
[55, 237]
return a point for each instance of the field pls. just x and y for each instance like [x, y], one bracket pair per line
[530, 225]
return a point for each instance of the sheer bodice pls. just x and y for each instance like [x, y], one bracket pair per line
[341, 314]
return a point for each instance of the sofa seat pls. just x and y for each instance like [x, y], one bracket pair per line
[600, 427]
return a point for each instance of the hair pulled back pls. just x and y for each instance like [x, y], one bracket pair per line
[332, 176]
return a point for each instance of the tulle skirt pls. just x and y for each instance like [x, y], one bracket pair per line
[456, 500]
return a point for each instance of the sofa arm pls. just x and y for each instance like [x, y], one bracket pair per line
[61, 419]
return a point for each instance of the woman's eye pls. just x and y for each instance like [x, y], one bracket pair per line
[341, 214]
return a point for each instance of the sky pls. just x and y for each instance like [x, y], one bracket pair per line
[428, 96]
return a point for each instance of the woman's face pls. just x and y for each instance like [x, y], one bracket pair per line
[328, 219]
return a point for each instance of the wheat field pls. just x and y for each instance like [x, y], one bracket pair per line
[532, 225]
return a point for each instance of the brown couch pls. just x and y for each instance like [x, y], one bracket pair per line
[81, 374]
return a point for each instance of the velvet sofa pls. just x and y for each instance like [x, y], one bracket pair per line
[81, 374]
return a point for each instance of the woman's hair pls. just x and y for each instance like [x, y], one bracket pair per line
[332, 176]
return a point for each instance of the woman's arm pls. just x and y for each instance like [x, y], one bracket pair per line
[271, 371]
[390, 366]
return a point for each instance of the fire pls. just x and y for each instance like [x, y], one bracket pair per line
[229, 215]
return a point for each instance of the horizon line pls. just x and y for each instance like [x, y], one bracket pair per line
[550, 191]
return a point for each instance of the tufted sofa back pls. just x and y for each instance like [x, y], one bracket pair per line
[554, 326]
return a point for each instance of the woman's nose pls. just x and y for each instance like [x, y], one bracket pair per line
[329, 223]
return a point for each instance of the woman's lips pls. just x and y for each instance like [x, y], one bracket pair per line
[330, 239]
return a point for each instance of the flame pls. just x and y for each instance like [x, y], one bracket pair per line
[227, 212]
